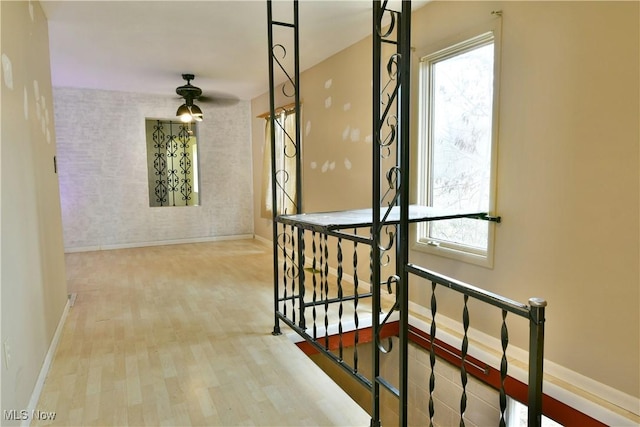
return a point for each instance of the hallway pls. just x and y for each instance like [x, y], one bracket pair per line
[181, 335]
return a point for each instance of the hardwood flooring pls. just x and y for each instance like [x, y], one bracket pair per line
[181, 335]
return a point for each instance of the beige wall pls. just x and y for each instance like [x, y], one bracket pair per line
[567, 176]
[568, 162]
[33, 275]
[336, 130]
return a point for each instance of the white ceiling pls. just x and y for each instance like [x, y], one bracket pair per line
[145, 46]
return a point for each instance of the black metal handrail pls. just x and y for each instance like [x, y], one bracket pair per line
[473, 291]
[534, 313]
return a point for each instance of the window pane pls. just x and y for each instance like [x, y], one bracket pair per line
[461, 121]
[517, 415]
[285, 157]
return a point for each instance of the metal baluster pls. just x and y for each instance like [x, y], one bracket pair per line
[301, 278]
[355, 303]
[371, 263]
[293, 275]
[326, 293]
[504, 337]
[340, 308]
[463, 368]
[284, 270]
[322, 264]
[432, 353]
[315, 297]
[285, 267]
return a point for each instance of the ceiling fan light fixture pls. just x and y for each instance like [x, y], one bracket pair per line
[188, 111]
[184, 114]
[196, 113]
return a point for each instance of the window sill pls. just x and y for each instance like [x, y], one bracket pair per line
[482, 260]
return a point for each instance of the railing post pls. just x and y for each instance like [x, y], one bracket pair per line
[536, 358]
[276, 280]
[296, 78]
[375, 220]
[276, 209]
[404, 48]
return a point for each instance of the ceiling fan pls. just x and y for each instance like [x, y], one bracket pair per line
[189, 111]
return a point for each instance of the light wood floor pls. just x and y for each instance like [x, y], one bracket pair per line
[181, 335]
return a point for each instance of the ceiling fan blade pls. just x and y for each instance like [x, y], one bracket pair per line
[222, 101]
[188, 92]
[205, 99]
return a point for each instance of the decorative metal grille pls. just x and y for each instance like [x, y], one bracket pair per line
[172, 169]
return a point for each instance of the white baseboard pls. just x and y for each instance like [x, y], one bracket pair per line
[601, 392]
[46, 364]
[158, 243]
[262, 239]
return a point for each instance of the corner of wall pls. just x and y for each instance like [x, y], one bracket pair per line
[34, 290]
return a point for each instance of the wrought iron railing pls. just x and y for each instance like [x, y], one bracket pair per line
[322, 288]
[326, 301]
[326, 296]
[534, 313]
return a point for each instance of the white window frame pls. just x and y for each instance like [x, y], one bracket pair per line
[517, 415]
[475, 38]
[285, 124]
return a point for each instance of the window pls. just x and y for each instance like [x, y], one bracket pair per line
[285, 149]
[457, 146]
[517, 414]
[172, 163]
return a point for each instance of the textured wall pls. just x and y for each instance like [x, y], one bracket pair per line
[103, 171]
[34, 289]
